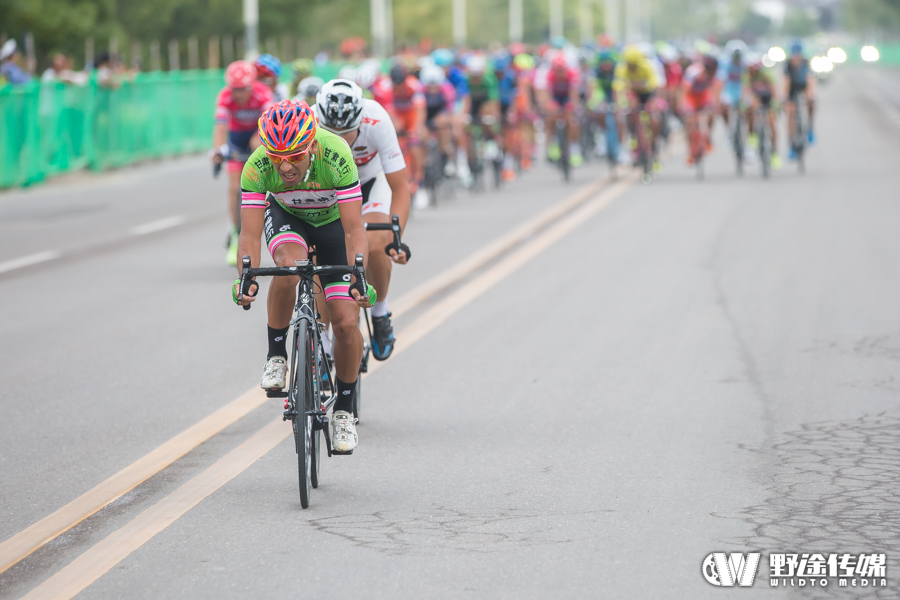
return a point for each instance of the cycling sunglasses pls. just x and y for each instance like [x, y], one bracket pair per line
[291, 158]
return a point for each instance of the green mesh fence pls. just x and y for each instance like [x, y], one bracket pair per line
[51, 128]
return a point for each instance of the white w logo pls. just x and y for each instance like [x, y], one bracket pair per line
[725, 569]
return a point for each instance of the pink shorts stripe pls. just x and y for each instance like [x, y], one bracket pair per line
[337, 291]
[287, 237]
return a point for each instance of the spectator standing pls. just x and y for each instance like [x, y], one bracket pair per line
[61, 70]
[9, 66]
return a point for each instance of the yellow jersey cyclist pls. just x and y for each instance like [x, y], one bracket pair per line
[634, 83]
[301, 188]
[367, 127]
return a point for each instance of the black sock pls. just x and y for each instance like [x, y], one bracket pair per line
[345, 392]
[277, 342]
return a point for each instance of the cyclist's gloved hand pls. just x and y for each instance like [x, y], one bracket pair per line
[248, 297]
[394, 252]
[363, 301]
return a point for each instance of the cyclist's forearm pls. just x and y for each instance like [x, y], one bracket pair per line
[251, 231]
[400, 197]
[220, 135]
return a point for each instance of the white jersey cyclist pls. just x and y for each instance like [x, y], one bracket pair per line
[376, 151]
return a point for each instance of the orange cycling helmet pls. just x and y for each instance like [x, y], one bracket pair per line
[288, 127]
[240, 74]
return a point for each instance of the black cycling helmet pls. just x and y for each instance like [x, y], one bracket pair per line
[399, 73]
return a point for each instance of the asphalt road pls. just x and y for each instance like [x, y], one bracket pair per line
[666, 371]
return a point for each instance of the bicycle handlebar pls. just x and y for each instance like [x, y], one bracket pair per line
[304, 268]
[397, 245]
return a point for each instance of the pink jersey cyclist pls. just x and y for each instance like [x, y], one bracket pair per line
[241, 120]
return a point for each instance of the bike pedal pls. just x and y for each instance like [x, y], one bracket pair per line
[347, 453]
[276, 394]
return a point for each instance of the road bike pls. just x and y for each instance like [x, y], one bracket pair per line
[562, 138]
[798, 134]
[611, 135]
[397, 244]
[309, 395]
[642, 133]
[761, 123]
[699, 140]
[738, 143]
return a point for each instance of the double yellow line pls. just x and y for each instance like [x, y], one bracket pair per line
[532, 237]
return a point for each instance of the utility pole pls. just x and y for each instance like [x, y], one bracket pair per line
[611, 19]
[515, 21]
[388, 27]
[556, 18]
[632, 21]
[376, 9]
[459, 23]
[251, 28]
[586, 21]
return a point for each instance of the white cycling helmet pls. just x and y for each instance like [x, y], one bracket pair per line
[367, 73]
[432, 75]
[476, 65]
[309, 87]
[339, 106]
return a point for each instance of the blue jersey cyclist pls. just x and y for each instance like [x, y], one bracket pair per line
[301, 188]
[733, 75]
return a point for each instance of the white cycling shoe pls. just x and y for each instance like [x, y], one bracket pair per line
[275, 374]
[343, 432]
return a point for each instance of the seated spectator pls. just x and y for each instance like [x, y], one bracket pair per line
[9, 67]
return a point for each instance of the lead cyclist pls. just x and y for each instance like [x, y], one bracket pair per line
[367, 127]
[301, 188]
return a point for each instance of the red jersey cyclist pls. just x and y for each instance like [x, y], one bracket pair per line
[563, 84]
[238, 108]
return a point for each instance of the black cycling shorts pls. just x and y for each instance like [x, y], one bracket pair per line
[643, 97]
[281, 227]
[795, 90]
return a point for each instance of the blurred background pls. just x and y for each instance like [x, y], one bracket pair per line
[61, 59]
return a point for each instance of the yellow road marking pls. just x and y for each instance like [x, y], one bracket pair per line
[99, 559]
[91, 565]
[30, 539]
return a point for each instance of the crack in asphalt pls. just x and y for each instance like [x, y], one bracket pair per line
[442, 529]
[835, 490]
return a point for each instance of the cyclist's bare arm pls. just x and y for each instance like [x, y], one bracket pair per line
[252, 220]
[355, 239]
[400, 200]
[220, 137]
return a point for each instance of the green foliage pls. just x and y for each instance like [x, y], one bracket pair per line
[873, 16]
[798, 23]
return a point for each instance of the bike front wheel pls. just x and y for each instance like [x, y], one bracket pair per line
[304, 403]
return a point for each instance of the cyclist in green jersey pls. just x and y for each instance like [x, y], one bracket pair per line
[301, 188]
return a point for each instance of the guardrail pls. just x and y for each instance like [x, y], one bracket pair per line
[52, 128]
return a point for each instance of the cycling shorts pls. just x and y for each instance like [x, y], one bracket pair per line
[643, 97]
[408, 122]
[281, 227]
[731, 95]
[239, 146]
[795, 90]
[693, 102]
[558, 101]
[376, 195]
[765, 98]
